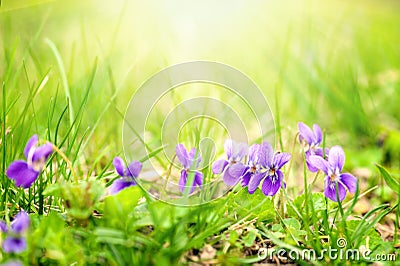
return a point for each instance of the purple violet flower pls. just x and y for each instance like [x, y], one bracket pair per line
[26, 172]
[271, 164]
[312, 140]
[253, 164]
[333, 169]
[3, 226]
[12, 263]
[128, 175]
[189, 163]
[15, 242]
[232, 168]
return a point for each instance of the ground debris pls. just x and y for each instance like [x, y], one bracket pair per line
[386, 230]
[208, 252]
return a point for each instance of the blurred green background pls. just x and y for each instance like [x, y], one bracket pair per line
[335, 63]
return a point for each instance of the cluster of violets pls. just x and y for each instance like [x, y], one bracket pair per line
[258, 164]
[249, 166]
[15, 241]
[330, 161]
[263, 165]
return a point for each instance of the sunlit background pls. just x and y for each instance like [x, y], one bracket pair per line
[335, 63]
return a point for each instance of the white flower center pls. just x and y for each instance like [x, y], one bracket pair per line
[33, 165]
[38, 165]
[334, 177]
[273, 175]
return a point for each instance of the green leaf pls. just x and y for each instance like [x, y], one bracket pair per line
[250, 238]
[279, 234]
[152, 154]
[354, 224]
[257, 205]
[390, 181]
[79, 198]
[233, 237]
[370, 239]
[118, 207]
[292, 222]
[277, 228]
[318, 199]
[53, 190]
[110, 236]
[52, 236]
[292, 229]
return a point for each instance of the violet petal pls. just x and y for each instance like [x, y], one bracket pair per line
[228, 146]
[134, 169]
[319, 163]
[219, 166]
[12, 263]
[317, 133]
[336, 157]
[237, 169]
[42, 152]
[120, 184]
[191, 158]
[310, 166]
[255, 181]
[270, 188]
[198, 179]
[182, 155]
[182, 180]
[306, 133]
[14, 245]
[119, 166]
[349, 181]
[280, 159]
[254, 153]
[32, 142]
[233, 173]
[3, 227]
[21, 222]
[246, 178]
[266, 154]
[20, 172]
[240, 150]
[318, 151]
[330, 192]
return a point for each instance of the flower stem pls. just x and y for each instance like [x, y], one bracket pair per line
[69, 164]
[169, 173]
[5, 181]
[290, 162]
[41, 199]
[29, 199]
[282, 202]
[282, 196]
[315, 179]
